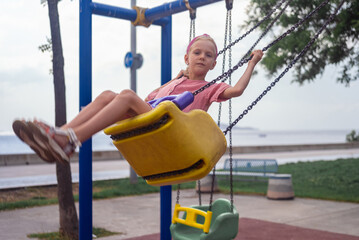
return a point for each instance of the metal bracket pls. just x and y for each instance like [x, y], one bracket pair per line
[141, 19]
[229, 4]
[192, 12]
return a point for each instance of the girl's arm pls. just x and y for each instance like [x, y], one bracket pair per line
[238, 89]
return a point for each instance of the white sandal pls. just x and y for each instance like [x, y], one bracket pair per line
[44, 136]
[22, 131]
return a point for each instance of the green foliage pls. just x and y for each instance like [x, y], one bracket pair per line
[337, 45]
[331, 180]
[26, 203]
[47, 47]
[353, 136]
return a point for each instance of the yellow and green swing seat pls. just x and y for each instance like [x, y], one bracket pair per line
[167, 146]
[198, 223]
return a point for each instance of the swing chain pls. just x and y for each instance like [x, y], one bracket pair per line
[230, 114]
[245, 60]
[267, 29]
[295, 26]
[223, 66]
[302, 53]
[263, 34]
[253, 28]
[192, 30]
[178, 193]
[192, 15]
[224, 75]
[199, 192]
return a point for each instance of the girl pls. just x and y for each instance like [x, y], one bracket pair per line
[52, 143]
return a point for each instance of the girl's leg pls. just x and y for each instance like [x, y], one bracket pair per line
[91, 109]
[123, 104]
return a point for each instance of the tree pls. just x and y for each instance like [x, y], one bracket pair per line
[336, 46]
[352, 137]
[68, 215]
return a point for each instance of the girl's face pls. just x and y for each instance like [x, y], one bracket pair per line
[201, 58]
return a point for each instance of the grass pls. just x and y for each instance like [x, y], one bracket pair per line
[330, 180]
[40, 196]
[98, 232]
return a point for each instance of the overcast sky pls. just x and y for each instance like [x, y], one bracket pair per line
[26, 87]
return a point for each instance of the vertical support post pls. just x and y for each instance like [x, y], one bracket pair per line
[265, 167]
[85, 161]
[166, 72]
[134, 52]
[133, 76]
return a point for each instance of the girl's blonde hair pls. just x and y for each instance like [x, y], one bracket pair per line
[200, 37]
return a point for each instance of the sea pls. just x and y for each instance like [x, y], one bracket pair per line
[10, 144]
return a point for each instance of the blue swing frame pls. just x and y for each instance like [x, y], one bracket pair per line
[161, 16]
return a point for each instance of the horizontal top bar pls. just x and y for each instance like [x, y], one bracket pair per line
[112, 11]
[153, 14]
[171, 8]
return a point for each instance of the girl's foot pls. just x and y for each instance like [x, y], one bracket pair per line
[23, 132]
[60, 143]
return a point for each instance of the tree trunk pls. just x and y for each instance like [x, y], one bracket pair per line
[68, 215]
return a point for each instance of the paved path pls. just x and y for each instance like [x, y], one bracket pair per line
[139, 215]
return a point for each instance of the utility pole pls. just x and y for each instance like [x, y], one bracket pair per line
[133, 61]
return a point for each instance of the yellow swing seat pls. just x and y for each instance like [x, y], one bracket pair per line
[167, 146]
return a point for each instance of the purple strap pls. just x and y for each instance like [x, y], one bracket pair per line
[182, 100]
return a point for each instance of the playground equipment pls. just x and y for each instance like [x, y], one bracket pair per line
[157, 16]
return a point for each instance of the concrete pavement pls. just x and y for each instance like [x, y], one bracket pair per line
[140, 215]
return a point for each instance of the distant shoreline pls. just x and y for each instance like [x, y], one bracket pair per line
[32, 158]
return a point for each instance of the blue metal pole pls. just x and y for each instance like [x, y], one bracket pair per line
[152, 14]
[171, 8]
[112, 11]
[85, 161]
[166, 72]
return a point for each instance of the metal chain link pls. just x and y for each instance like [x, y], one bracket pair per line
[266, 30]
[223, 66]
[199, 193]
[178, 193]
[212, 188]
[192, 30]
[227, 27]
[300, 22]
[245, 60]
[230, 113]
[192, 34]
[253, 28]
[304, 50]
[263, 34]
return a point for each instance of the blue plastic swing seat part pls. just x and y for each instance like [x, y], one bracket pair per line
[182, 100]
[167, 146]
[223, 226]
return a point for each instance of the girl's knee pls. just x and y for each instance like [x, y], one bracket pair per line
[107, 96]
[127, 94]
